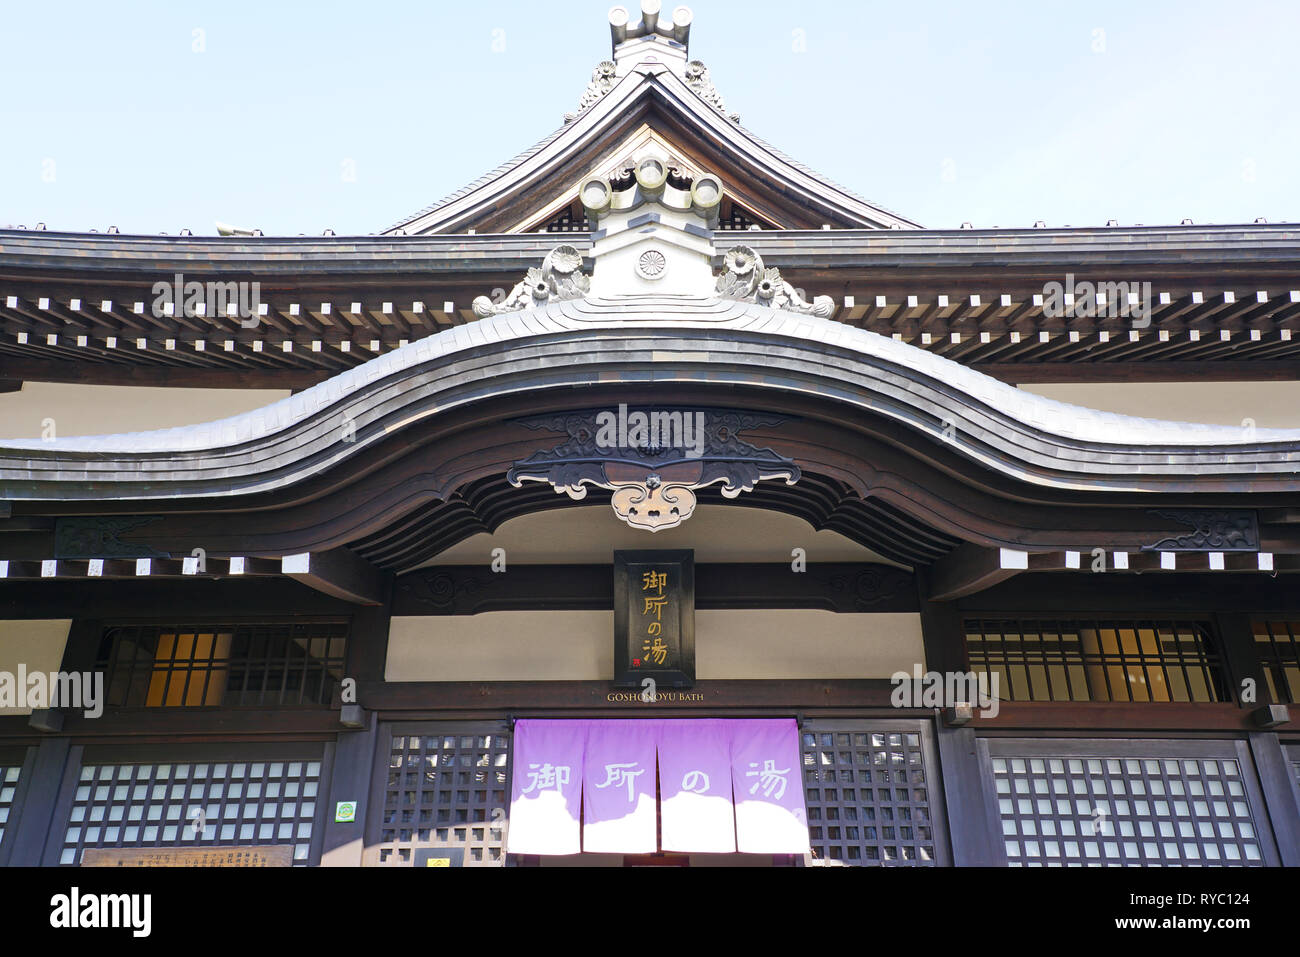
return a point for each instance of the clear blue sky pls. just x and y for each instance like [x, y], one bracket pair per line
[996, 113]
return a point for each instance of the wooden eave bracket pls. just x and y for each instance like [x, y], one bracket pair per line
[338, 572]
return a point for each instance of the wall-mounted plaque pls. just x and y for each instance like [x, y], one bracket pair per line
[440, 857]
[654, 618]
[275, 855]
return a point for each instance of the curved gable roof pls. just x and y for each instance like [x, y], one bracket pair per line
[1022, 436]
[508, 195]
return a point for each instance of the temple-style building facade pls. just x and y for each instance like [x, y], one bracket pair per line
[651, 500]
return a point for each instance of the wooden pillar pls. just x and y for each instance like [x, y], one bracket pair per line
[82, 649]
[1280, 794]
[942, 630]
[27, 837]
[19, 800]
[354, 759]
[354, 753]
[1240, 657]
[368, 640]
[974, 826]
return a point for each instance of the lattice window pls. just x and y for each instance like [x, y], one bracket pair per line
[571, 220]
[9, 775]
[868, 792]
[1098, 660]
[1124, 811]
[1279, 653]
[736, 219]
[447, 789]
[195, 804]
[223, 664]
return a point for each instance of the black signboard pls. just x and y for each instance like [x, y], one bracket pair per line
[654, 618]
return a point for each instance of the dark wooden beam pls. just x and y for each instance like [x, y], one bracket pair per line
[1178, 595]
[164, 598]
[472, 589]
[864, 697]
[968, 569]
[1086, 718]
[338, 572]
[101, 373]
[1018, 373]
[175, 724]
[791, 694]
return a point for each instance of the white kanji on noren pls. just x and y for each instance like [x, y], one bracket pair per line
[623, 775]
[772, 781]
[544, 776]
[696, 782]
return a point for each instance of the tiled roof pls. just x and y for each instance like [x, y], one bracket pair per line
[483, 180]
[1020, 434]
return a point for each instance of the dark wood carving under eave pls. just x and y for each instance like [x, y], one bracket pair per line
[101, 537]
[486, 504]
[654, 476]
[472, 589]
[1211, 531]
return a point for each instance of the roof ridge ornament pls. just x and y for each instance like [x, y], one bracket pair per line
[744, 278]
[697, 78]
[650, 42]
[653, 233]
[559, 278]
[603, 79]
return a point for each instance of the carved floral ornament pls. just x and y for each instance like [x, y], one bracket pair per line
[651, 264]
[560, 277]
[653, 461]
[744, 278]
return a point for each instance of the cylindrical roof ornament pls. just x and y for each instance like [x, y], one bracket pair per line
[596, 195]
[650, 14]
[706, 195]
[651, 175]
[618, 18]
[682, 17]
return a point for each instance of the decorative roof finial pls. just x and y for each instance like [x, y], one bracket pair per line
[678, 30]
[648, 44]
